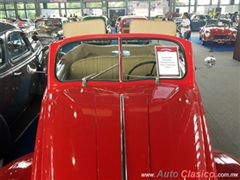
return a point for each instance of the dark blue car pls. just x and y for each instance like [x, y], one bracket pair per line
[197, 20]
[18, 58]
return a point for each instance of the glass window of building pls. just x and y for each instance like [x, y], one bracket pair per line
[94, 4]
[63, 13]
[203, 2]
[1, 6]
[73, 5]
[20, 6]
[62, 5]
[21, 13]
[182, 9]
[214, 2]
[30, 6]
[191, 9]
[52, 5]
[226, 2]
[11, 14]
[9, 6]
[76, 12]
[200, 9]
[41, 5]
[237, 2]
[192, 2]
[182, 2]
[116, 4]
[31, 13]
[2, 14]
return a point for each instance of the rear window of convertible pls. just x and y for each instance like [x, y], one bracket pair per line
[98, 60]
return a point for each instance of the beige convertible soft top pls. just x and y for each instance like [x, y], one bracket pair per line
[78, 28]
[97, 26]
[153, 27]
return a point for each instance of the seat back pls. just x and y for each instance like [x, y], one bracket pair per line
[84, 67]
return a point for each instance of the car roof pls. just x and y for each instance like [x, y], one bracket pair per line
[6, 27]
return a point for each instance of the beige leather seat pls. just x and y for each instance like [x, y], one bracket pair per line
[87, 66]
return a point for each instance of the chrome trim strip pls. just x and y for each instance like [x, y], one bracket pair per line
[157, 78]
[123, 139]
[120, 69]
[175, 92]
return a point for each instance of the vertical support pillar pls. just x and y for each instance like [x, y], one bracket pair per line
[5, 10]
[195, 6]
[189, 5]
[149, 7]
[26, 15]
[218, 4]
[82, 7]
[37, 7]
[15, 9]
[236, 53]
[126, 13]
[173, 5]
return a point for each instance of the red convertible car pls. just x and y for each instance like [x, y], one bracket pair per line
[123, 26]
[122, 111]
[218, 31]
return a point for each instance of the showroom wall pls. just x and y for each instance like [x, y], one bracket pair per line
[30, 8]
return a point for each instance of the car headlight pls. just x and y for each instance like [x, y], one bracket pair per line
[54, 35]
[207, 34]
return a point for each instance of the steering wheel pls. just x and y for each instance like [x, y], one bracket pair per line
[141, 64]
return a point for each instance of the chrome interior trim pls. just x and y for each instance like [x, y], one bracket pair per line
[120, 66]
[123, 139]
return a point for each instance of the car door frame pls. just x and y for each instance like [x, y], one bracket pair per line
[25, 82]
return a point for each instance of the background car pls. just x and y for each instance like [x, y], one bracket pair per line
[122, 102]
[125, 22]
[224, 16]
[159, 17]
[49, 30]
[197, 21]
[26, 25]
[17, 85]
[218, 31]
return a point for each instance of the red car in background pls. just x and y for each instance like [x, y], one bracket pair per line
[122, 112]
[217, 31]
[123, 26]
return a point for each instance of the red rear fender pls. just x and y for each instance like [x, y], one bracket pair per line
[19, 169]
[227, 166]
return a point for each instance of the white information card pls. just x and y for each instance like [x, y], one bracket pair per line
[167, 60]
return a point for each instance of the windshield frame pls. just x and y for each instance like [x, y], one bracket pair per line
[120, 68]
[225, 23]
